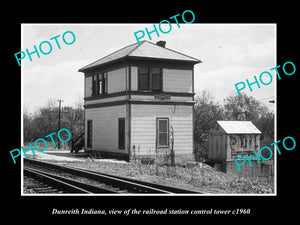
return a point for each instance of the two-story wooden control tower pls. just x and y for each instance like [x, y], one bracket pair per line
[139, 102]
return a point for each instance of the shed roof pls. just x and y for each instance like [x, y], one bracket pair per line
[144, 50]
[239, 127]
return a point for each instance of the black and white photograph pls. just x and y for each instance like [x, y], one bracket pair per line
[160, 116]
[150, 114]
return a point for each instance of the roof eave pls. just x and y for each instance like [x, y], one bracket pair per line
[256, 132]
[83, 69]
[165, 59]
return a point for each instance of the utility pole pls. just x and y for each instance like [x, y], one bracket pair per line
[59, 105]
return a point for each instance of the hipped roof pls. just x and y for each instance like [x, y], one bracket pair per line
[239, 127]
[145, 49]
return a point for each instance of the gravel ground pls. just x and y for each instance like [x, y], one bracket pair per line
[28, 182]
[199, 177]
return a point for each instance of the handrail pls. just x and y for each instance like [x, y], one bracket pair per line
[76, 140]
[78, 137]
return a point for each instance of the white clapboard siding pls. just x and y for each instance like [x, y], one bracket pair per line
[105, 127]
[183, 134]
[134, 78]
[117, 80]
[88, 86]
[143, 127]
[104, 100]
[175, 80]
[152, 97]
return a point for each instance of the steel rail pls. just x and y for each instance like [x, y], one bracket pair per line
[131, 185]
[154, 185]
[86, 188]
[115, 182]
[58, 184]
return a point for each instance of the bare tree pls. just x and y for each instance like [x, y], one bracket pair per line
[45, 121]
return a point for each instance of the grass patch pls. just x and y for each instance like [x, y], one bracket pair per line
[199, 177]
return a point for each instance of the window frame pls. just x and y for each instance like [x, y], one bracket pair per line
[105, 82]
[96, 79]
[160, 81]
[158, 132]
[140, 74]
[150, 78]
[94, 84]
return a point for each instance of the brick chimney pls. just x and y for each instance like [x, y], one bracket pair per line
[161, 43]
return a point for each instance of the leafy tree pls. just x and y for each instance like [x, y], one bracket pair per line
[248, 108]
[206, 113]
[244, 108]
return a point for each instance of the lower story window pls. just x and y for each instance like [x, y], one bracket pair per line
[162, 136]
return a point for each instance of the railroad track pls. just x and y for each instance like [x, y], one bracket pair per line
[55, 175]
[33, 186]
[50, 183]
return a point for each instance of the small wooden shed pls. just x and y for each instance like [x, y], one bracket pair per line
[231, 139]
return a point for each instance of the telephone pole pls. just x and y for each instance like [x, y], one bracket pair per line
[59, 106]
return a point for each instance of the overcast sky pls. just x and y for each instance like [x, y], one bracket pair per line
[230, 53]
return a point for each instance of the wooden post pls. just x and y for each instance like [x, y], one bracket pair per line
[172, 147]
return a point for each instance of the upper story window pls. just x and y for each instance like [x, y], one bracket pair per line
[100, 84]
[150, 78]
